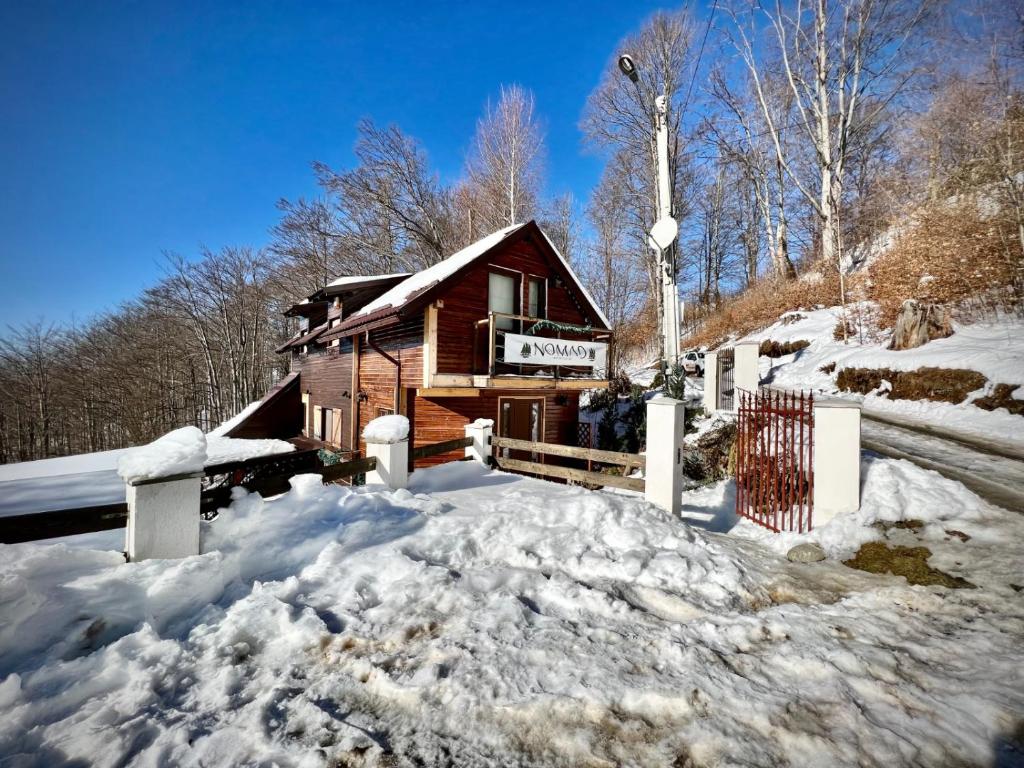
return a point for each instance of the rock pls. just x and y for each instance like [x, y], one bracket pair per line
[806, 553]
[918, 323]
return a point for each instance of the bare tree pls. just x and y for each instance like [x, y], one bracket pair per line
[842, 66]
[620, 118]
[506, 160]
[741, 136]
[609, 265]
[560, 224]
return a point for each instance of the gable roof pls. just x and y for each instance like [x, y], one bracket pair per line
[399, 294]
[355, 282]
[418, 289]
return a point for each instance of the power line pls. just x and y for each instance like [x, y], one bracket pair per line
[700, 55]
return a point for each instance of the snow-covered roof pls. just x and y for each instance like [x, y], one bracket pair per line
[358, 281]
[419, 281]
[575, 279]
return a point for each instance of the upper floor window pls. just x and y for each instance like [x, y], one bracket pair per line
[537, 298]
[501, 297]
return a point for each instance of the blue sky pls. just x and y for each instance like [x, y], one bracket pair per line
[131, 128]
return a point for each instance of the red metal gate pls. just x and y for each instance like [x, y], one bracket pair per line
[775, 459]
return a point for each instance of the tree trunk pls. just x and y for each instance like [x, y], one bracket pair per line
[918, 323]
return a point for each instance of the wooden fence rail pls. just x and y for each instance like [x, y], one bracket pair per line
[570, 473]
[436, 449]
[52, 524]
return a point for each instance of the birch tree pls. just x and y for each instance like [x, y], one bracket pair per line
[842, 64]
[506, 161]
[741, 137]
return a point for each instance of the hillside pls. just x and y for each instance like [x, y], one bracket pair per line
[969, 383]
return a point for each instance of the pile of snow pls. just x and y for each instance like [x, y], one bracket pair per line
[220, 450]
[387, 429]
[180, 452]
[490, 619]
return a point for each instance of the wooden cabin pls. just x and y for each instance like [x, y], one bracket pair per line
[502, 330]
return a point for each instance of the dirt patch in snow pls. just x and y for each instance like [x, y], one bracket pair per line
[947, 385]
[771, 348]
[1001, 397]
[909, 562]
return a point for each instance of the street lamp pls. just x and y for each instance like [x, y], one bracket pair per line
[665, 230]
[628, 68]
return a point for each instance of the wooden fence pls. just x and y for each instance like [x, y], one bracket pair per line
[266, 475]
[503, 457]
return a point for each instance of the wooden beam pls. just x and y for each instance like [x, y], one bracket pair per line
[436, 449]
[448, 392]
[348, 469]
[578, 384]
[568, 473]
[63, 522]
[571, 451]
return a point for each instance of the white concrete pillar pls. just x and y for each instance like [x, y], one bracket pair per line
[836, 459]
[392, 464]
[163, 517]
[481, 431]
[710, 382]
[745, 374]
[663, 475]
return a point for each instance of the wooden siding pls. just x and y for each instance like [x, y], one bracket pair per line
[466, 302]
[445, 418]
[328, 379]
[279, 416]
[403, 342]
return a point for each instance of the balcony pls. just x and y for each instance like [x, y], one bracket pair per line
[529, 352]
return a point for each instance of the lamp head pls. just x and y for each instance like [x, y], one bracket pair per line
[627, 67]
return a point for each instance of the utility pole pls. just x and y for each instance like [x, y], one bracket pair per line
[666, 262]
[663, 234]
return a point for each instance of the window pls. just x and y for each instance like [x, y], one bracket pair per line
[384, 412]
[501, 297]
[537, 298]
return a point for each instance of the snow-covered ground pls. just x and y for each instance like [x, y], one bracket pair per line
[995, 349]
[91, 478]
[482, 618]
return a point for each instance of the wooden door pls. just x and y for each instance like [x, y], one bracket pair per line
[521, 418]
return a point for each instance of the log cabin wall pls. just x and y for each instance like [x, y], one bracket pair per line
[466, 302]
[444, 418]
[403, 342]
[328, 380]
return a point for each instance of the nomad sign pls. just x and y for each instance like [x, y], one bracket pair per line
[536, 350]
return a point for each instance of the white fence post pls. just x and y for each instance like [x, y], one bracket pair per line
[163, 517]
[710, 382]
[392, 463]
[745, 373]
[480, 430]
[663, 475]
[836, 459]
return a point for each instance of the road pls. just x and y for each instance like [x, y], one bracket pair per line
[995, 475]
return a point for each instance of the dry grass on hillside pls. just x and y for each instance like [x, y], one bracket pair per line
[951, 255]
[761, 306]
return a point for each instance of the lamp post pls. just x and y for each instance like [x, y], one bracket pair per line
[665, 230]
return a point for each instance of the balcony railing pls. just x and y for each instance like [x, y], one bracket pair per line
[490, 343]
